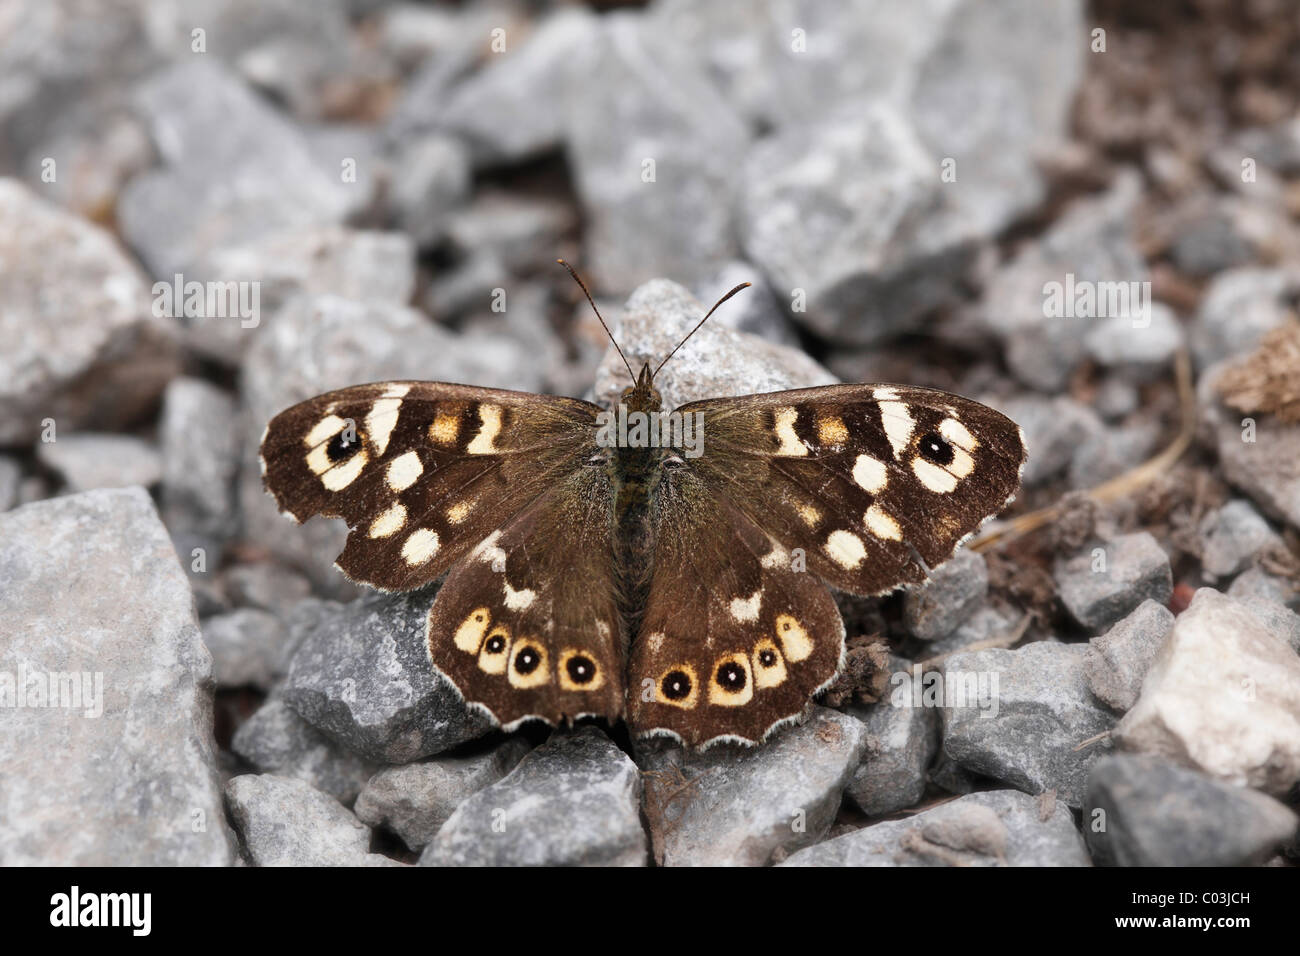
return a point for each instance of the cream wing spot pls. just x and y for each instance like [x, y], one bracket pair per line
[404, 471]
[732, 684]
[460, 511]
[937, 479]
[380, 422]
[445, 428]
[768, 664]
[810, 515]
[896, 419]
[958, 434]
[495, 655]
[389, 522]
[885, 393]
[746, 610]
[488, 551]
[831, 430]
[528, 664]
[790, 444]
[870, 474]
[323, 430]
[340, 476]
[881, 524]
[469, 636]
[318, 460]
[484, 442]
[579, 671]
[520, 600]
[845, 548]
[420, 545]
[794, 638]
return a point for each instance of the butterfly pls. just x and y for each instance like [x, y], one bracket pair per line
[669, 569]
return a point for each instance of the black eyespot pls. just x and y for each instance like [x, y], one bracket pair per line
[581, 669]
[343, 445]
[767, 657]
[676, 685]
[731, 677]
[495, 644]
[935, 448]
[526, 660]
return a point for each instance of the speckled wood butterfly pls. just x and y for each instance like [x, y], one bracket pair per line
[671, 576]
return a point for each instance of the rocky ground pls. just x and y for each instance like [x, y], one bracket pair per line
[899, 182]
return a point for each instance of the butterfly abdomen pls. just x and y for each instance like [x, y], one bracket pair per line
[635, 475]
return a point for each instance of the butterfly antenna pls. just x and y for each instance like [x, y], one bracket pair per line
[743, 285]
[582, 285]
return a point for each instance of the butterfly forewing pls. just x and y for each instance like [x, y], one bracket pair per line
[863, 479]
[420, 471]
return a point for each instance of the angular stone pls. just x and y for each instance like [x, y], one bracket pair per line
[1106, 580]
[311, 260]
[750, 806]
[1154, 813]
[1259, 454]
[518, 105]
[415, 800]
[991, 828]
[1117, 662]
[574, 801]
[1222, 697]
[1238, 308]
[260, 176]
[199, 434]
[283, 821]
[81, 345]
[1024, 731]
[89, 460]
[362, 676]
[851, 212]
[519, 232]
[1092, 242]
[1231, 537]
[265, 585]
[987, 83]
[275, 740]
[11, 474]
[903, 743]
[654, 151]
[430, 179]
[127, 774]
[716, 362]
[1055, 429]
[948, 597]
[249, 648]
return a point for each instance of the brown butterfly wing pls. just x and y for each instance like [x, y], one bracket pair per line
[527, 625]
[421, 471]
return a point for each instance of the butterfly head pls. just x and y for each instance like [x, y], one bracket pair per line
[643, 396]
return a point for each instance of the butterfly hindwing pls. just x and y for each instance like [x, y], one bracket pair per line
[863, 479]
[527, 625]
[420, 471]
[735, 641]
